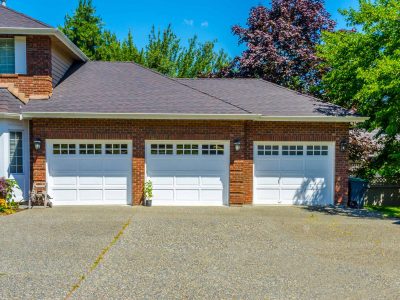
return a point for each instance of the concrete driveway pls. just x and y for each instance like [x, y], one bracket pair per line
[249, 253]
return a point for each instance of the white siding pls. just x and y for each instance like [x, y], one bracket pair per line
[60, 62]
[6, 126]
[20, 55]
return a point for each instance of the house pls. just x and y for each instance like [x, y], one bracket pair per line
[96, 131]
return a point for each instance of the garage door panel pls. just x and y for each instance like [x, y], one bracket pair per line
[90, 195]
[269, 165]
[115, 195]
[64, 195]
[211, 181]
[267, 181]
[267, 196]
[291, 164]
[89, 180]
[187, 195]
[163, 194]
[78, 177]
[211, 195]
[192, 181]
[117, 164]
[116, 181]
[292, 180]
[302, 176]
[62, 166]
[190, 178]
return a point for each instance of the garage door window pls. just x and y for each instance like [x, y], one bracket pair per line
[267, 150]
[90, 149]
[187, 149]
[116, 149]
[317, 150]
[64, 149]
[212, 149]
[292, 150]
[162, 149]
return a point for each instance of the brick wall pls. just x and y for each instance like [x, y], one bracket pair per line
[241, 162]
[37, 83]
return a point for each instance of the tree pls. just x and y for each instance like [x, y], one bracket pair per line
[84, 28]
[163, 51]
[364, 73]
[281, 43]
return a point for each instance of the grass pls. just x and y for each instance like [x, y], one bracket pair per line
[387, 211]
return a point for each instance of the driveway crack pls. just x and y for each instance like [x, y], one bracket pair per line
[99, 258]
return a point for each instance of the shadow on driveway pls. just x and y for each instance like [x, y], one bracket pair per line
[349, 212]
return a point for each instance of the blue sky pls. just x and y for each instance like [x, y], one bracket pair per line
[208, 19]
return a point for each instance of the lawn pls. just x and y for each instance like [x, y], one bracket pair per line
[387, 211]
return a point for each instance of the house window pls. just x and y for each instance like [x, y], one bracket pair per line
[16, 158]
[7, 56]
[90, 149]
[162, 149]
[292, 150]
[116, 149]
[187, 149]
[64, 149]
[317, 150]
[212, 149]
[267, 150]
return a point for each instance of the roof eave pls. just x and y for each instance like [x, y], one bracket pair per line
[174, 116]
[46, 31]
[5, 115]
[336, 119]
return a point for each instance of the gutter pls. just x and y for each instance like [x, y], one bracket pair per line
[46, 31]
[146, 116]
[11, 116]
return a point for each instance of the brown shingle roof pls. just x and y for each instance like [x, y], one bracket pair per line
[12, 18]
[110, 87]
[262, 97]
[8, 103]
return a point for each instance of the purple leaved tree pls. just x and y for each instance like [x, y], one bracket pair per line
[281, 43]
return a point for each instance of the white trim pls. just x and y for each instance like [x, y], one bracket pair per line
[20, 54]
[46, 31]
[168, 116]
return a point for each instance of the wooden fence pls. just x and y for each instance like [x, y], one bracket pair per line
[383, 192]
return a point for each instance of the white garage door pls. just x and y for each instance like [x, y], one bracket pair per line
[188, 172]
[293, 173]
[89, 172]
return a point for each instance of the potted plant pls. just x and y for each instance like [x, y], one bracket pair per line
[148, 193]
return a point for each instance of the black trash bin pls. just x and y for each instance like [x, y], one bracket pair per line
[357, 189]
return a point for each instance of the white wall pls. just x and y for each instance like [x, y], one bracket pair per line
[23, 180]
[20, 55]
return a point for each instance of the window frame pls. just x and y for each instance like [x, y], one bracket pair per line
[11, 155]
[7, 57]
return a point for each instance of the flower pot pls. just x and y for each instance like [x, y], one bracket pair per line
[148, 202]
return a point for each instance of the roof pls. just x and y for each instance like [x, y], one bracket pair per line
[16, 23]
[113, 87]
[258, 96]
[9, 104]
[119, 89]
[12, 18]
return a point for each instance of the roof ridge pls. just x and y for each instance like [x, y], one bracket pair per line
[199, 91]
[28, 17]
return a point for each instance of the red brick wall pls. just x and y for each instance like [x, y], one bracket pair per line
[241, 162]
[37, 81]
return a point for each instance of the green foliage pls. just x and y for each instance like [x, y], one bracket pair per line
[163, 52]
[386, 211]
[84, 28]
[148, 190]
[7, 195]
[364, 73]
